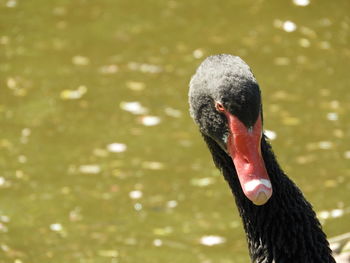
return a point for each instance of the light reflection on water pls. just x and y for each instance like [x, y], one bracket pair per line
[100, 160]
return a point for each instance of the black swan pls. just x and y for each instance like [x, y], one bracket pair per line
[280, 225]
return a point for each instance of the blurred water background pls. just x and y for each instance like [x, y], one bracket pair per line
[99, 159]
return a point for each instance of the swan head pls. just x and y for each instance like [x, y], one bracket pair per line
[225, 102]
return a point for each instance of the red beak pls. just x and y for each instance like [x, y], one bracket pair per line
[244, 147]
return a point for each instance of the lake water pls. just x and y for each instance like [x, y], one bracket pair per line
[100, 161]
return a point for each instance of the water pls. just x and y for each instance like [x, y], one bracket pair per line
[100, 160]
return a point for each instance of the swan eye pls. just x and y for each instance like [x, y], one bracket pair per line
[219, 107]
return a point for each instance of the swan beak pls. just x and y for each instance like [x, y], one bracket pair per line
[244, 147]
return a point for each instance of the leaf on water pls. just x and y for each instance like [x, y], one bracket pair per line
[73, 94]
[133, 107]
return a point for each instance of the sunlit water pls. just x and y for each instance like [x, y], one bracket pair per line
[99, 159]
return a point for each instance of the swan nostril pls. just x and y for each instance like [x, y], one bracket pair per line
[219, 107]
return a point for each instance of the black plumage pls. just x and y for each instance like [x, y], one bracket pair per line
[285, 229]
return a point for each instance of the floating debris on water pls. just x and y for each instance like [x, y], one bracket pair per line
[135, 85]
[108, 253]
[330, 183]
[271, 135]
[24, 135]
[347, 155]
[90, 169]
[301, 2]
[304, 159]
[163, 231]
[11, 83]
[138, 207]
[57, 227]
[73, 94]
[59, 11]
[26, 132]
[212, 240]
[100, 152]
[171, 204]
[282, 61]
[332, 116]
[80, 60]
[172, 112]
[3, 228]
[157, 242]
[325, 145]
[289, 26]
[144, 67]
[4, 219]
[152, 165]
[75, 214]
[324, 45]
[150, 120]
[116, 147]
[11, 3]
[109, 69]
[308, 32]
[198, 53]
[4, 40]
[22, 159]
[135, 194]
[2, 181]
[202, 182]
[18, 86]
[133, 107]
[304, 42]
[335, 213]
